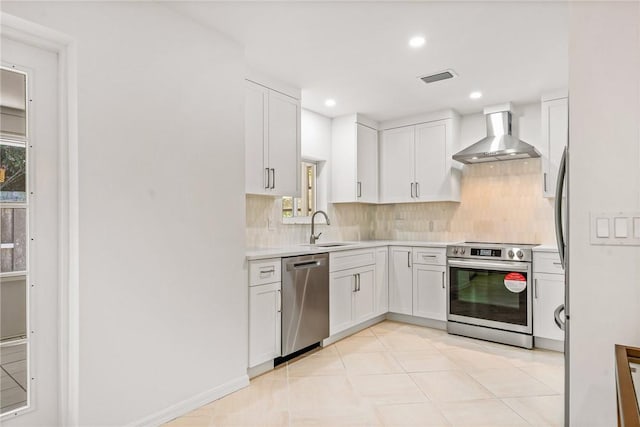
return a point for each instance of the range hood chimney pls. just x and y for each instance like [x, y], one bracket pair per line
[499, 144]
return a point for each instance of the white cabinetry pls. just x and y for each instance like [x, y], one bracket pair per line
[555, 133]
[548, 295]
[354, 160]
[416, 163]
[429, 292]
[265, 311]
[382, 281]
[400, 280]
[354, 288]
[272, 142]
[417, 282]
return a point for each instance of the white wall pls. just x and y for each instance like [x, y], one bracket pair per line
[604, 175]
[163, 300]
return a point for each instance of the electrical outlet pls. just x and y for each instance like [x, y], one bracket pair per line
[271, 224]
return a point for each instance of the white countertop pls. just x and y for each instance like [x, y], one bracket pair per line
[306, 249]
[546, 248]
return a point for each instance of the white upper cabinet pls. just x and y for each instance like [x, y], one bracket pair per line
[272, 142]
[555, 133]
[416, 163]
[354, 159]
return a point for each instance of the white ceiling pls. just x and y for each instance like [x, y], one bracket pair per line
[357, 53]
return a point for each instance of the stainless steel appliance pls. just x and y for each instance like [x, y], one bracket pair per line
[489, 294]
[499, 144]
[305, 301]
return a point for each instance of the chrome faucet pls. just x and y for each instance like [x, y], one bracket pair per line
[313, 238]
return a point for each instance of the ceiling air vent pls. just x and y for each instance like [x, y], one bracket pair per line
[443, 75]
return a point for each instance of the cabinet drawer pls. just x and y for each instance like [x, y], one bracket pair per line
[547, 262]
[351, 259]
[432, 256]
[264, 271]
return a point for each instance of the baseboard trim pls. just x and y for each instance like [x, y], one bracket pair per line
[188, 405]
[548, 344]
[260, 369]
[352, 330]
[420, 321]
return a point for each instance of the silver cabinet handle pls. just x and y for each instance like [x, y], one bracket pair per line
[535, 288]
[355, 283]
[270, 271]
[558, 206]
[443, 285]
[273, 181]
[358, 277]
[417, 190]
[412, 190]
[557, 263]
[544, 181]
[279, 301]
[556, 316]
[267, 178]
[409, 259]
[359, 187]
[429, 256]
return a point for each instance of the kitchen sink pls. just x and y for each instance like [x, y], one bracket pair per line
[329, 244]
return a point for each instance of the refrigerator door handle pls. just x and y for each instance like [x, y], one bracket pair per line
[562, 175]
[556, 316]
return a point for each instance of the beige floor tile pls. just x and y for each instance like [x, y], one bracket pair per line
[316, 365]
[487, 413]
[363, 415]
[454, 342]
[521, 357]
[388, 326]
[411, 414]
[251, 418]
[511, 382]
[370, 363]
[389, 388]
[322, 393]
[188, 421]
[476, 360]
[539, 410]
[330, 350]
[551, 375]
[424, 361]
[263, 394]
[359, 345]
[450, 386]
[405, 342]
[364, 333]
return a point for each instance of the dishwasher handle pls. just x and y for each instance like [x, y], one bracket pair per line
[305, 265]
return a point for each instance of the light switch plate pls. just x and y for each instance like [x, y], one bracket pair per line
[615, 228]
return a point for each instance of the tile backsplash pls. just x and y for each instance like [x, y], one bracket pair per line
[500, 202]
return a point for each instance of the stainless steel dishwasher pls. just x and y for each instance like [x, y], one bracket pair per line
[305, 301]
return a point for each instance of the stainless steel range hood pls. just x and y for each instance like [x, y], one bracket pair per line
[499, 144]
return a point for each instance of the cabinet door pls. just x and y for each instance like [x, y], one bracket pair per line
[364, 297]
[284, 144]
[255, 121]
[429, 292]
[548, 294]
[264, 323]
[382, 281]
[431, 176]
[396, 165]
[367, 167]
[400, 280]
[342, 286]
[555, 125]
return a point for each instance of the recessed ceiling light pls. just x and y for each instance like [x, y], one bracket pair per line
[330, 102]
[416, 41]
[475, 95]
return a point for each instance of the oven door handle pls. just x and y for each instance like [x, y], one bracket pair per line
[507, 265]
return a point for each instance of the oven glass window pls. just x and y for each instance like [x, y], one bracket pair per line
[482, 294]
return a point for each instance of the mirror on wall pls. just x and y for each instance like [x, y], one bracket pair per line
[14, 242]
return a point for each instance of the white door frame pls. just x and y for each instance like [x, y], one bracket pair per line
[68, 256]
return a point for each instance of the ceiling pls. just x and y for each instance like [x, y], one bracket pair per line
[358, 54]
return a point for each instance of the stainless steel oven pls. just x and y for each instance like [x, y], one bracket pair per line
[489, 292]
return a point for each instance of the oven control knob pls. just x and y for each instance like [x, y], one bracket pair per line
[455, 251]
[520, 254]
[462, 251]
[510, 253]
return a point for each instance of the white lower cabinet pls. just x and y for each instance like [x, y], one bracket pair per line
[548, 295]
[351, 297]
[381, 303]
[400, 280]
[429, 292]
[265, 316]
